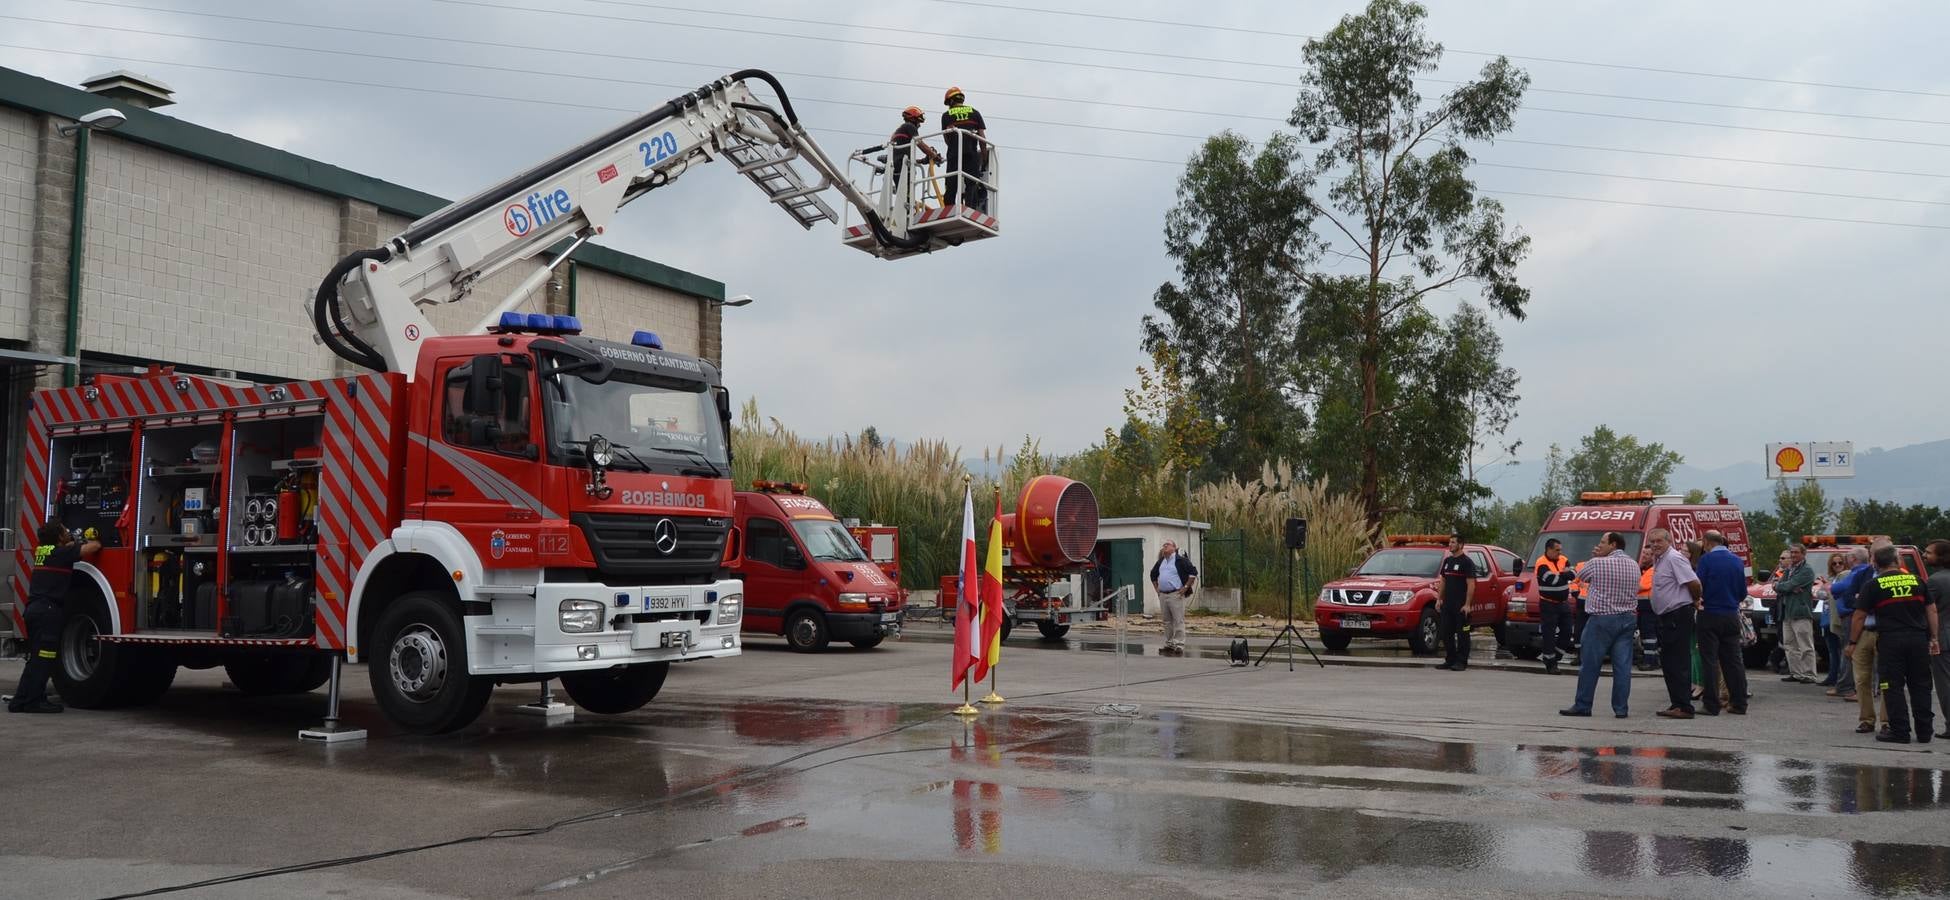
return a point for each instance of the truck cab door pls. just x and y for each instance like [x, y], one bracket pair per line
[1486, 591]
[481, 472]
[775, 572]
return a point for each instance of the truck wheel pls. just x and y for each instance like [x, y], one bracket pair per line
[1008, 625]
[1336, 640]
[93, 674]
[1502, 633]
[419, 672]
[1426, 637]
[268, 674]
[1052, 631]
[866, 643]
[611, 692]
[805, 631]
[1527, 652]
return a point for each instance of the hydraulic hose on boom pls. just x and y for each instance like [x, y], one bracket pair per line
[368, 309]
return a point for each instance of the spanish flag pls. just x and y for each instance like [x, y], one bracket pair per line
[992, 609]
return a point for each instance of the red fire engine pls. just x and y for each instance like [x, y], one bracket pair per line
[517, 505]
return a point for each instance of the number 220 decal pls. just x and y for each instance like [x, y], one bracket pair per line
[659, 148]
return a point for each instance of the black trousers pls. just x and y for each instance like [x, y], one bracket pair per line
[1719, 658]
[44, 621]
[1676, 655]
[1455, 640]
[1903, 667]
[1648, 632]
[1555, 627]
[967, 160]
[1584, 615]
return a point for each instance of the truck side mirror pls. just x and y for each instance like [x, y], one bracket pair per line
[1517, 566]
[724, 417]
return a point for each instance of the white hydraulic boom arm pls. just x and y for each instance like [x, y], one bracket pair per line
[367, 310]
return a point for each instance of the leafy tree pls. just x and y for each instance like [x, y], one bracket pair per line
[1399, 201]
[1802, 509]
[1695, 496]
[1240, 238]
[1163, 413]
[1608, 461]
[870, 439]
[1765, 539]
[1913, 524]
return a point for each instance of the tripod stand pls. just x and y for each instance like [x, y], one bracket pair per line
[1289, 634]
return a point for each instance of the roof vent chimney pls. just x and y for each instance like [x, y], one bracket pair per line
[128, 87]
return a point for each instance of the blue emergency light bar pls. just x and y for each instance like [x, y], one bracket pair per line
[647, 339]
[537, 323]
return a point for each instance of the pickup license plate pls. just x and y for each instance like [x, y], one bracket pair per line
[654, 604]
[890, 617]
[1355, 622]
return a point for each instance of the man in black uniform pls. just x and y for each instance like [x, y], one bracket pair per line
[1906, 638]
[965, 154]
[47, 597]
[1457, 572]
[904, 137]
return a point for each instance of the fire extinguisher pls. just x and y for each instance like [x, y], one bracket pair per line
[289, 510]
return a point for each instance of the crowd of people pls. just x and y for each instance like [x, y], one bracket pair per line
[1883, 627]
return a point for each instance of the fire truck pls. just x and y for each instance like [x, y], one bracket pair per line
[523, 503]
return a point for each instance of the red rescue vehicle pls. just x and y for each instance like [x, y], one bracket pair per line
[1396, 592]
[517, 504]
[1632, 514]
[806, 577]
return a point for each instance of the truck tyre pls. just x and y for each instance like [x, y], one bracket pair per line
[1529, 653]
[1052, 631]
[1336, 640]
[1502, 633]
[866, 643]
[269, 674]
[1426, 637]
[93, 674]
[1008, 625]
[419, 666]
[805, 631]
[611, 692]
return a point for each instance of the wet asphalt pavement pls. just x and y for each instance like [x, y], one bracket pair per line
[840, 774]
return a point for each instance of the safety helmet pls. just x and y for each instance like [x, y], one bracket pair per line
[913, 114]
[953, 94]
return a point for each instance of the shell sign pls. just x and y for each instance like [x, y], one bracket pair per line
[1811, 459]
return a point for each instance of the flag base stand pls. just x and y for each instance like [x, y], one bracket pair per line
[994, 697]
[967, 709]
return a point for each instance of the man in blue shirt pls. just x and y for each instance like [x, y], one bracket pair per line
[1723, 585]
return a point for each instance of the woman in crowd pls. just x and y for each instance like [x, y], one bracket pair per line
[1837, 564]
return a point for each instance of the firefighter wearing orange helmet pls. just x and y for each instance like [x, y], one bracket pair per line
[967, 157]
[905, 136]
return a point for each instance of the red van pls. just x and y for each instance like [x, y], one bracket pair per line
[806, 577]
[1394, 594]
[1631, 514]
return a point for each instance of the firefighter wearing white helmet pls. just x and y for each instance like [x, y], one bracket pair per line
[965, 155]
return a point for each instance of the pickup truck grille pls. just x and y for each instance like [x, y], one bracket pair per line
[1356, 598]
[625, 545]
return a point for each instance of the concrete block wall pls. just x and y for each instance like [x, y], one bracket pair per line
[612, 307]
[19, 156]
[189, 261]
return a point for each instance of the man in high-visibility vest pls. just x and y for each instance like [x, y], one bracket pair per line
[1648, 656]
[966, 134]
[1555, 614]
[46, 613]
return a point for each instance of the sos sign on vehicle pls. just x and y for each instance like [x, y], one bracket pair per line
[1811, 459]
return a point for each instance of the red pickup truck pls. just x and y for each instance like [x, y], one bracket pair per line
[1394, 594]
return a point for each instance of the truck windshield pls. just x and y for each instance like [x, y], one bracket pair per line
[1420, 563]
[828, 540]
[664, 425]
[1578, 544]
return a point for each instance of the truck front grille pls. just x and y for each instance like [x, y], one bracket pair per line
[626, 550]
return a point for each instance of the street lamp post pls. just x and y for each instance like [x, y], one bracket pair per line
[99, 120]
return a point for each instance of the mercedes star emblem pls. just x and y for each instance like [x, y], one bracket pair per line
[663, 536]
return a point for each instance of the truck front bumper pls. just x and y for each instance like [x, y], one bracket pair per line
[860, 626]
[1384, 621]
[637, 624]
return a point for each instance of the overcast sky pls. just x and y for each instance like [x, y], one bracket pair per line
[1708, 331]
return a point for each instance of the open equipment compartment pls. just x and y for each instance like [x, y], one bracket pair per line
[272, 536]
[88, 488]
[179, 508]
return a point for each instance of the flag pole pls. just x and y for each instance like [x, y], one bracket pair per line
[967, 707]
[996, 665]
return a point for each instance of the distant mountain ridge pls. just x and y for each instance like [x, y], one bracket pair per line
[1918, 473]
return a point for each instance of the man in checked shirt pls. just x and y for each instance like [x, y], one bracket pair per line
[1611, 590]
